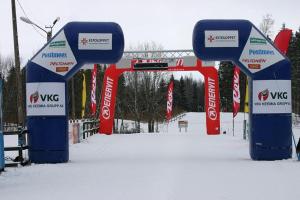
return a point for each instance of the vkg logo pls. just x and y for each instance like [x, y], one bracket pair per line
[264, 95]
[34, 97]
[44, 97]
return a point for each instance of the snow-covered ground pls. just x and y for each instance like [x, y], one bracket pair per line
[159, 166]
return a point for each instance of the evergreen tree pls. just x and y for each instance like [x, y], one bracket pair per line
[195, 98]
[294, 56]
[182, 92]
[225, 83]
[201, 97]
[9, 98]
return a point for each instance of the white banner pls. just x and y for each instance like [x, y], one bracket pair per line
[258, 53]
[57, 56]
[95, 41]
[45, 99]
[226, 38]
[272, 96]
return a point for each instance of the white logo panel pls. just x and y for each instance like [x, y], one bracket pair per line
[272, 96]
[57, 56]
[258, 53]
[95, 41]
[228, 38]
[45, 99]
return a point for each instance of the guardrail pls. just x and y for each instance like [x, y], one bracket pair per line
[90, 127]
[22, 134]
[178, 117]
[82, 129]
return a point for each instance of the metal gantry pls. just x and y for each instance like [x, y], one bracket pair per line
[160, 54]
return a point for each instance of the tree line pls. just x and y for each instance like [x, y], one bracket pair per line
[142, 95]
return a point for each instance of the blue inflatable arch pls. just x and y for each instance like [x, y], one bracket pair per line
[76, 44]
[270, 87]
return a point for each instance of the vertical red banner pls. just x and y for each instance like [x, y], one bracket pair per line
[93, 90]
[236, 91]
[170, 100]
[282, 40]
[212, 100]
[108, 100]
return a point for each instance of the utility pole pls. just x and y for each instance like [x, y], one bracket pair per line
[17, 65]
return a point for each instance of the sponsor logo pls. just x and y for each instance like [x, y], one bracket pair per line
[62, 69]
[58, 44]
[210, 38]
[261, 52]
[170, 101]
[47, 100]
[93, 92]
[254, 63]
[54, 55]
[221, 38]
[61, 63]
[107, 98]
[253, 60]
[43, 97]
[62, 66]
[105, 112]
[272, 96]
[254, 66]
[96, 41]
[263, 95]
[258, 41]
[84, 41]
[179, 62]
[34, 97]
[236, 91]
[212, 112]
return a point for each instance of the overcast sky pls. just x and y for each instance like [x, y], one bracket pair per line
[166, 22]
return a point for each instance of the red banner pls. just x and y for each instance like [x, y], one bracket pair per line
[93, 90]
[170, 100]
[236, 91]
[108, 100]
[212, 100]
[282, 40]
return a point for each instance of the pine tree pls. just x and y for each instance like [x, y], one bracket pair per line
[10, 98]
[201, 96]
[182, 92]
[195, 98]
[294, 56]
[225, 82]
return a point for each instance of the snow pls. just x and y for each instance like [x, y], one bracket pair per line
[159, 166]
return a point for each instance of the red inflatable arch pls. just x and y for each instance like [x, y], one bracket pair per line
[184, 63]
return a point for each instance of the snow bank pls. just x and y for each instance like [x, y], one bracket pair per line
[160, 166]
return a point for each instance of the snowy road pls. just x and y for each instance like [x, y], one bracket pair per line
[165, 166]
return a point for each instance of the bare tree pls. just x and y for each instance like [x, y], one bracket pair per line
[6, 63]
[145, 83]
[266, 26]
